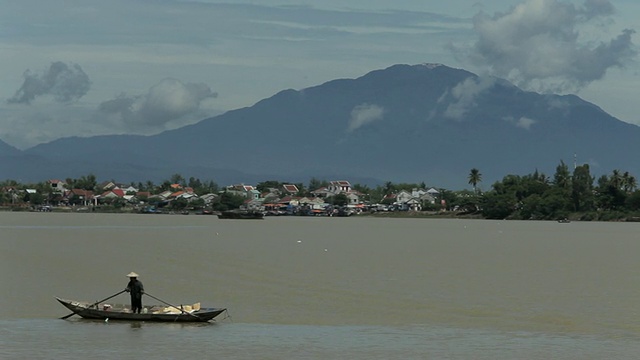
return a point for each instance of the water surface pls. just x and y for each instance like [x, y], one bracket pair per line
[319, 288]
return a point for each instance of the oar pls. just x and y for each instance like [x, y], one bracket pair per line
[173, 306]
[95, 303]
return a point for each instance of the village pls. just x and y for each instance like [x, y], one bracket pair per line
[337, 198]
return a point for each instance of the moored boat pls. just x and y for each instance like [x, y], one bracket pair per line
[155, 313]
[241, 215]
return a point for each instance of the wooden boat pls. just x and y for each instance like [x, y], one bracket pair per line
[156, 313]
[241, 215]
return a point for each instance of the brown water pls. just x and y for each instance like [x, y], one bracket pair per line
[332, 287]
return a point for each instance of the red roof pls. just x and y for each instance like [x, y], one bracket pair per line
[290, 188]
[116, 192]
[176, 194]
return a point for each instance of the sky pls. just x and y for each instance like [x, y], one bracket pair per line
[95, 67]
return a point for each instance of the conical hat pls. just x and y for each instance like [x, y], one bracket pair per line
[132, 274]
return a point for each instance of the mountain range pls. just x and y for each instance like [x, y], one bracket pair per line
[407, 123]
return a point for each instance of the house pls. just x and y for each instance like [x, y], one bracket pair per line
[322, 192]
[129, 189]
[79, 197]
[253, 204]
[143, 194]
[165, 194]
[334, 188]
[403, 201]
[115, 193]
[427, 198]
[340, 186]
[433, 192]
[183, 195]
[289, 189]
[313, 203]
[57, 185]
[209, 198]
[247, 191]
[403, 196]
[107, 185]
[354, 197]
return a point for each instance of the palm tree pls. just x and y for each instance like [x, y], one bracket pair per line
[474, 178]
[628, 182]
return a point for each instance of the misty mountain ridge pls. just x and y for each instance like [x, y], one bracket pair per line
[407, 123]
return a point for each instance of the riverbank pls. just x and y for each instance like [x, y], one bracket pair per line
[608, 216]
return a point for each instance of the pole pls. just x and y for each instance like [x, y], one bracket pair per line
[173, 306]
[95, 303]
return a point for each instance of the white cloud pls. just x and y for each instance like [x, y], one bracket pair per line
[523, 122]
[538, 44]
[364, 114]
[65, 83]
[165, 102]
[463, 96]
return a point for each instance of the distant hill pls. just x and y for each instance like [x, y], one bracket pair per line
[408, 123]
[8, 150]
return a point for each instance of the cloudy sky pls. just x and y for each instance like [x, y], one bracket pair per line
[89, 67]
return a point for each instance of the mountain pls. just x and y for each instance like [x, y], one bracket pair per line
[8, 150]
[408, 123]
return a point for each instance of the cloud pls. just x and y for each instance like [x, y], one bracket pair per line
[64, 82]
[24, 127]
[364, 114]
[539, 44]
[523, 122]
[463, 96]
[165, 102]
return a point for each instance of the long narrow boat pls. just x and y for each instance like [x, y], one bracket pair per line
[241, 215]
[155, 313]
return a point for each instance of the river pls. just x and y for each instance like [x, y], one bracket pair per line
[323, 288]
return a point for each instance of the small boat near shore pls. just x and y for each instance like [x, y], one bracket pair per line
[155, 313]
[235, 214]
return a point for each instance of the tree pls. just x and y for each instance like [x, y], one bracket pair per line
[609, 194]
[497, 206]
[388, 188]
[315, 184]
[633, 201]
[339, 200]
[179, 204]
[269, 184]
[474, 178]
[194, 183]
[228, 201]
[562, 177]
[582, 188]
[34, 199]
[628, 182]
[177, 179]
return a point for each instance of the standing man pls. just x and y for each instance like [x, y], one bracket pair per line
[136, 290]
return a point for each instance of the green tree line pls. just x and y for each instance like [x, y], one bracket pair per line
[575, 194]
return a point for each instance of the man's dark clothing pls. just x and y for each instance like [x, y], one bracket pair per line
[136, 290]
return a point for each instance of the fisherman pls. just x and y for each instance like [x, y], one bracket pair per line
[136, 290]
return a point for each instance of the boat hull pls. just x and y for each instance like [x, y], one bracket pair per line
[202, 315]
[248, 215]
